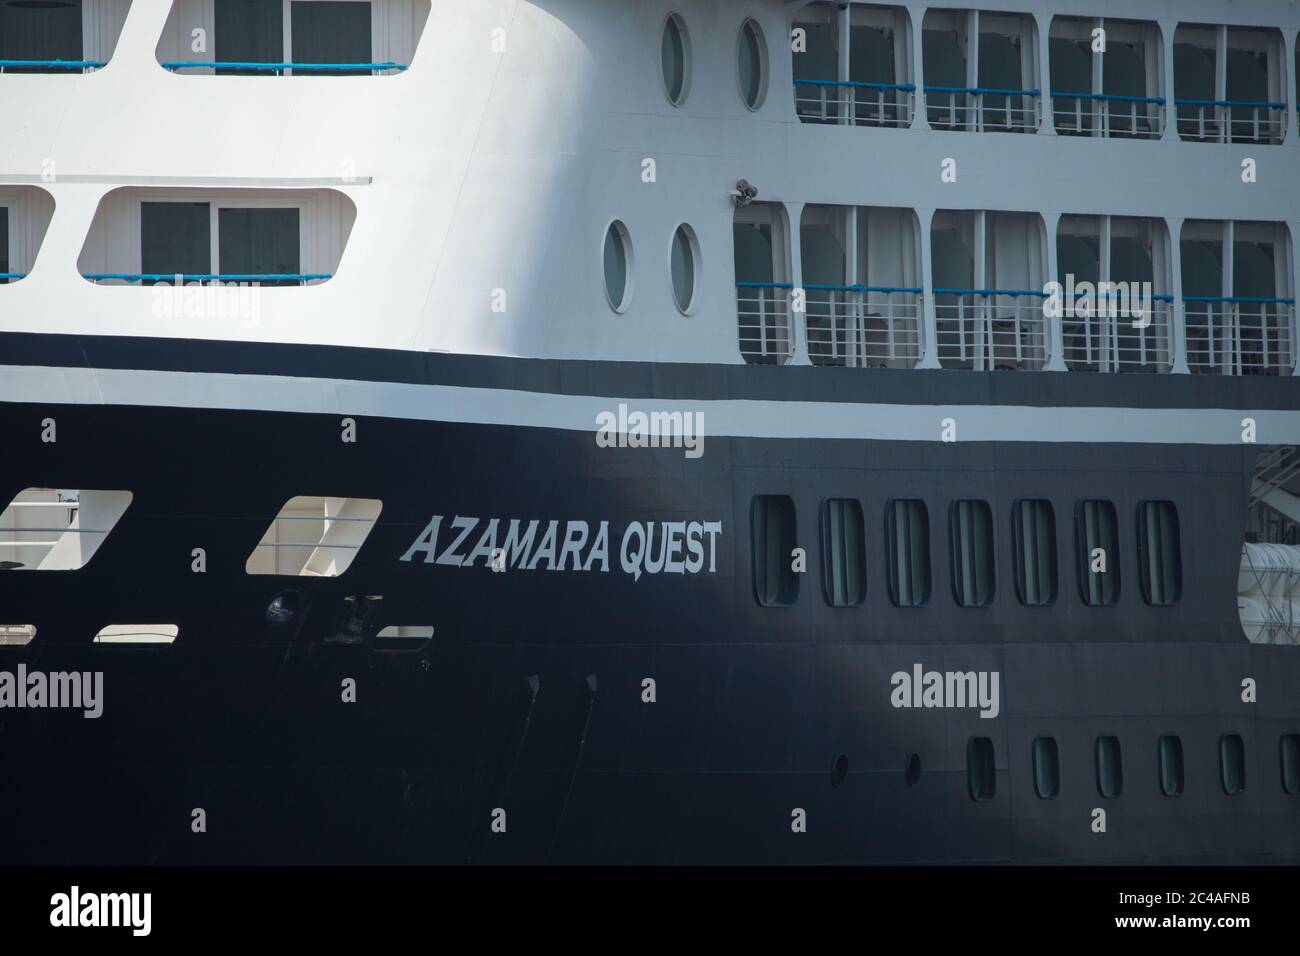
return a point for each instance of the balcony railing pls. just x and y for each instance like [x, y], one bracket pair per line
[763, 311]
[12, 276]
[1236, 335]
[984, 329]
[863, 326]
[983, 109]
[1231, 121]
[279, 69]
[861, 104]
[52, 66]
[1083, 114]
[1110, 341]
[278, 278]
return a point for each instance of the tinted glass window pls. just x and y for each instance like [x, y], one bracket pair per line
[844, 579]
[1171, 766]
[248, 31]
[1034, 531]
[980, 772]
[672, 53]
[683, 268]
[330, 31]
[1110, 767]
[175, 237]
[4, 243]
[772, 526]
[40, 31]
[259, 242]
[1232, 763]
[1096, 535]
[907, 552]
[971, 543]
[1047, 768]
[615, 257]
[751, 64]
[1159, 553]
[1291, 763]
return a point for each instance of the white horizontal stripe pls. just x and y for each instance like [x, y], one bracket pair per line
[731, 417]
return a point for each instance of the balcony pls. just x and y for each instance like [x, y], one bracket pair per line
[25, 214]
[864, 80]
[989, 301]
[297, 37]
[71, 36]
[1238, 303]
[981, 71]
[762, 284]
[1230, 84]
[242, 237]
[1116, 93]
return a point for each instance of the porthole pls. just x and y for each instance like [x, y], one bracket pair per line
[684, 265]
[752, 61]
[618, 266]
[675, 59]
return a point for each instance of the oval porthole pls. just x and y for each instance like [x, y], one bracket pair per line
[839, 770]
[684, 262]
[912, 770]
[675, 59]
[617, 258]
[753, 64]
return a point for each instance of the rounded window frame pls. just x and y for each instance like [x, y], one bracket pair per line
[684, 34]
[764, 71]
[629, 259]
[693, 242]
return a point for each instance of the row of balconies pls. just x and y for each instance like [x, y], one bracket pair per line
[999, 295]
[855, 64]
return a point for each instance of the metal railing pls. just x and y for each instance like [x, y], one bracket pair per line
[1231, 121]
[763, 313]
[12, 276]
[984, 329]
[52, 66]
[1112, 339]
[859, 104]
[1108, 114]
[275, 278]
[863, 326]
[280, 69]
[1238, 335]
[983, 109]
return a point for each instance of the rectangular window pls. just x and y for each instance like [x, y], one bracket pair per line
[772, 530]
[331, 31]
[1034, 532]
[1096, 536]
[1110, 767]
[248, 31]
[4, 243]
[844, 558]
[175, 238]
[57, 529]
[259, 242]
[907, 552]
[1160, 568]
[1171, 765]
[981, 776]
[40, 31]
[971, 544]
[1290, 747]
[314, 537]
[1047, 768]
[1232, 764]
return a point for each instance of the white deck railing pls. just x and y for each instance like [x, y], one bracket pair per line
[864, 326]
[853, 103]
[985, 329]
[1108, 342]
[1230, 121]
[983, 109]
[1108, 114]
[763, 313]
[1239, 335]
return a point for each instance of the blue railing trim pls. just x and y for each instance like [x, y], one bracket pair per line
[174, 65]
[981, 90]
[1107, 295]
[907, 87]
[13, 275]
[57, 64]
[207, 277]
[1272, 106]
[1116, 97]
[1234, 298]
[764, 285]
[1011, 292]
[818, 287]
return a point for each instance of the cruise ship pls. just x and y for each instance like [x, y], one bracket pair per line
[649, 432]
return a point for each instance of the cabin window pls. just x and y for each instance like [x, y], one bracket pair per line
[1171, 765]
[753, 64]
[247, 31]
[684, 261]
[617, 261]
[1159, 557]
[314, 537]
[175, 238]
[674, 56]
[1110, 767]
[1096, 535]
[1232, 764]
[907, 552]
[1047, 768]
[980, 774]
[16, 635]
[970, 525]
[138, 634]
[772, 530]
[49, 529]
[4, 245]
[259, 242]
[1290, 747]
[1034, 537]
[331, 31]
[844, 558]
[40, 31]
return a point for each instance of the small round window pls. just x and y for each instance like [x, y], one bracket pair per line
[675, 58]
[685, 265]
[618, 266]
[753, 64]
